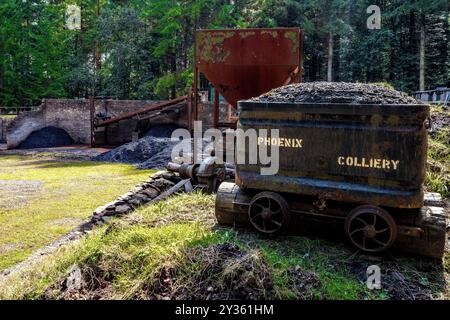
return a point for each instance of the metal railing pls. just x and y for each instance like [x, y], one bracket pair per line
[437, 96]
[15, 110]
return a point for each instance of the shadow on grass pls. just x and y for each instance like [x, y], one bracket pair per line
[128, 169]
[403, 276]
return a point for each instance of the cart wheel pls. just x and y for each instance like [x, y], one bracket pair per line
[269, 212]
[371, 229]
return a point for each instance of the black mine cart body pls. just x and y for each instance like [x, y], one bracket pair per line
[360, 153]
[360, 164]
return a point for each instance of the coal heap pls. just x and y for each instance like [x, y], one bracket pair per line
[47, 137]
[336, 92]
[153, 150]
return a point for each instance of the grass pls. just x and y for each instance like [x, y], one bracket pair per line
[53, 197]
[438, 173]
[8, 116]
[128, 254]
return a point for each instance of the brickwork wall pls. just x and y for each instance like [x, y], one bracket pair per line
[73, 115]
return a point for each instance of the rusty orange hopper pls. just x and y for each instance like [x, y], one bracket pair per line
[245, 63]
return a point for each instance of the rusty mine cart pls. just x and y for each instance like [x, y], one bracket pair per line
[345, 171]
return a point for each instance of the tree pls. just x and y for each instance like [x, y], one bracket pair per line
[33, 63]
[134, 49]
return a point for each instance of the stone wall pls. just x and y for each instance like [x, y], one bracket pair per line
[122, 131]
[3, 125]
[73, 115]
[22, 126]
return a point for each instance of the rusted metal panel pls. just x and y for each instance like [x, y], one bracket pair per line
[368, 154]
[149, 108]
[245, 63]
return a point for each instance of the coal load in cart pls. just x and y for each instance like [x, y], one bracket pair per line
[354, 153]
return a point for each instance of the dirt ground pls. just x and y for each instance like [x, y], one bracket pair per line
[74, 152]
[16, 193]
[440, 120]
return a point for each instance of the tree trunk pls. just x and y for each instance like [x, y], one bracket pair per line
[330, 58]
[422, 53]
[98, 63]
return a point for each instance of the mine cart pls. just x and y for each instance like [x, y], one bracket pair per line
[361, 164]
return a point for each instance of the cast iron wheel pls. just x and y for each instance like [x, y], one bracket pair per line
[269, 212]
[371, 229]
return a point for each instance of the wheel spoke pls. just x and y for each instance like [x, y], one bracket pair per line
[269, 203]
[259, 206]
[278, 224]
[356, 230]
[379, 242]
[383, 230]
[361, 220]
[276, 212]
[268, 212]
[255, 216]
[367, 223]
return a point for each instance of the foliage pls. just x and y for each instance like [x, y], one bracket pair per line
[134, 49]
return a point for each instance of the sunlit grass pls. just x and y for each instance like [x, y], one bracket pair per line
[130, 251]
[438, 173]
[69, 193]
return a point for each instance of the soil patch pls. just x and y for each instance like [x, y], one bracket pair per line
[440, 120]
[222, 271]
[401, 288]
[336, 92]
[16, 193]
[305, 284]
[87, 283]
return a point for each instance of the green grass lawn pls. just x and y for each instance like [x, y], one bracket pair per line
[126, 257]
[42, 199]
[438, 173]
[438, 168]
[8, 116]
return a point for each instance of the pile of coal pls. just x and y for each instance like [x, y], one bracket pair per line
[47, 137]
[336, 92]
[152, 151]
